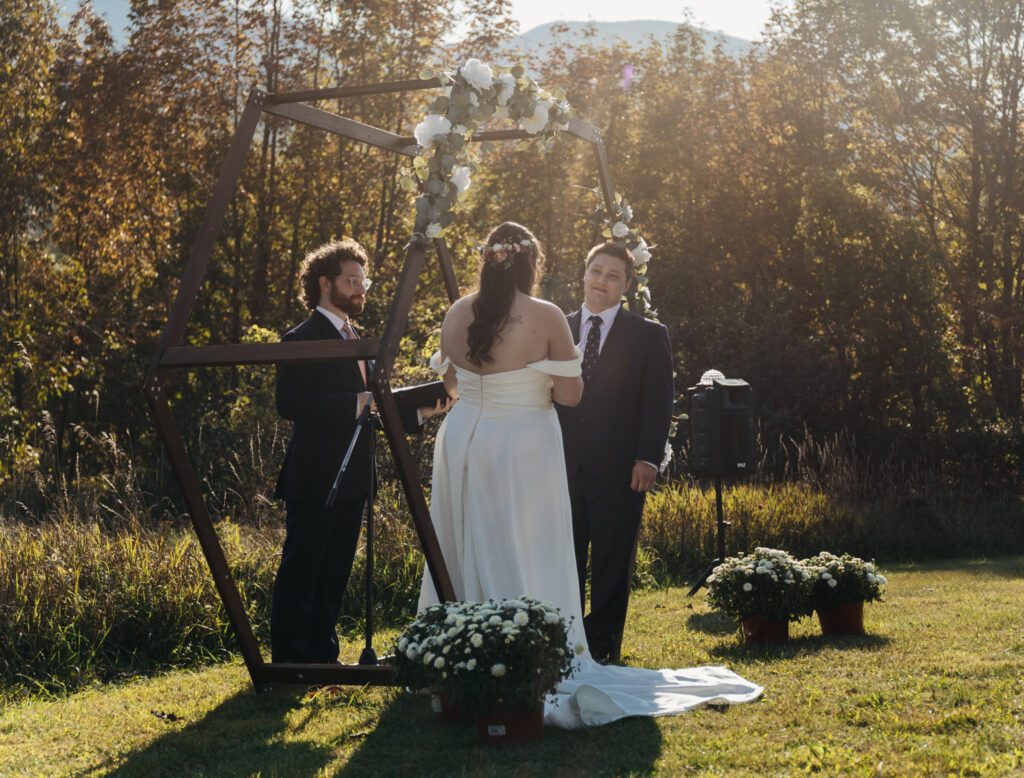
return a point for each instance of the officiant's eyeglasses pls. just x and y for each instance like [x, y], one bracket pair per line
[358, 282]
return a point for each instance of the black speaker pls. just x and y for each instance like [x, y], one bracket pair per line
[722, 438]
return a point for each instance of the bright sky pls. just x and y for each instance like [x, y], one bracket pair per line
[741, 18]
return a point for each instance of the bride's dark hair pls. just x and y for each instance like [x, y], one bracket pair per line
[498, 284]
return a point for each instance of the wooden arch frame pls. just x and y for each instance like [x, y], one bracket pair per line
[172, 354]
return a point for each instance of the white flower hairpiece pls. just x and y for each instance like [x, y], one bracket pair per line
[501, 254]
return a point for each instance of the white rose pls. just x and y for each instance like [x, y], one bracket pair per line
[506, 87]
[538, 121]
[748, 586]
[641, 254]
[620, 230]
[498, 670]
[432, 124]
[433, 230]
[460, 177]
[477, 74]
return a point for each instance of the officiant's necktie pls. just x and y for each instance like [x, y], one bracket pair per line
[350, 334]
[591, 350]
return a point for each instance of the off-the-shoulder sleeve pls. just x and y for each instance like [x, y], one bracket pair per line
[564, 368]
[440, 365]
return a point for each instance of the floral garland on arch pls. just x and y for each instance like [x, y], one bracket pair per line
[476, 93]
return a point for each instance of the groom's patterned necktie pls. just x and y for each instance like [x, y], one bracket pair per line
[350, 334]
[590, 351]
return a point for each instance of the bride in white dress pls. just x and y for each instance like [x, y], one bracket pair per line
[500, 499]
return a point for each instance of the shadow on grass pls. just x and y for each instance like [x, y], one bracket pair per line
[244, 735]
[410, 740]
[286, 735]
[714, 623]
[788, 649]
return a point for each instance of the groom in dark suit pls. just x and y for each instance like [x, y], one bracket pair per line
[614, 439]
[323, 401]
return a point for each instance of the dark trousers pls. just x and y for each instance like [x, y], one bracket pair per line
[607, 524]
[319, 548]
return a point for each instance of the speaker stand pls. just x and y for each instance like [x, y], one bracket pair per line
[721, 525]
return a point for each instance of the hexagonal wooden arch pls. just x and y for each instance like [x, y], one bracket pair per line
[171, 354]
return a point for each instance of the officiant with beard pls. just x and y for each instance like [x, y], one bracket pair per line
[323, 401]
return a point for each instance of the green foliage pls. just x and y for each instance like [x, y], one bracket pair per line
[478, 653]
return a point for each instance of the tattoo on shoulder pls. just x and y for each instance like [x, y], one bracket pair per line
[517, 319]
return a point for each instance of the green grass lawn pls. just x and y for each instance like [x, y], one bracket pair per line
[935, 688]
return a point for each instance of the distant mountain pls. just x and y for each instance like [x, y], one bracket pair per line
[635, 33]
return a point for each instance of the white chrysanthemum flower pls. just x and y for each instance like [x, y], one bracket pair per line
[471, 664]
[833, 583]
[477, 640]
[520, 619]
[432, 124]
[748, 586]
[410, 652]
[428, 657]
[538, 120]
[551, 618]
[506, 88]
[433, 230]
[498, 670]
[494, 620]
[580, 648]
[460, 177]
[477, 74]
[403, 643]
[620, 230]
[439, 662]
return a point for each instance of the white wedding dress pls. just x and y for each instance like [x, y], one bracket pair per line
[500, 507]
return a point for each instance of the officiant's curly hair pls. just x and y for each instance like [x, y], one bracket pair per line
[498, 287]
[326, 260]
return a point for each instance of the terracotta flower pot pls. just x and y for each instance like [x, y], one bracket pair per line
[447, 711]
[499, 725]
[758, 629]
[845, 619]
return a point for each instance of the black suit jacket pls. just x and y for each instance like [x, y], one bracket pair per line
[320, 398]
[626, 409]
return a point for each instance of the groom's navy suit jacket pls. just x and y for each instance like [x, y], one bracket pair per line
[626, 409]
[319, 398]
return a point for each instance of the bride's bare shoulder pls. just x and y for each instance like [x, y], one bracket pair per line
[547, 309]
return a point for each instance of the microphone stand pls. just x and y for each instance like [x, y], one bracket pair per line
[368, 655]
